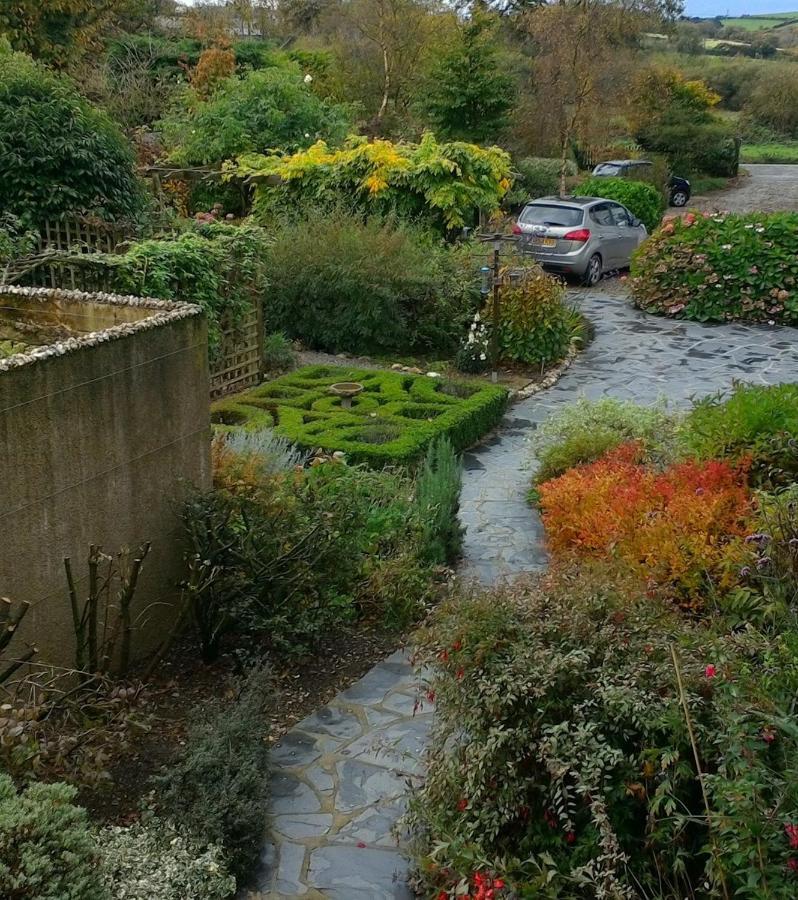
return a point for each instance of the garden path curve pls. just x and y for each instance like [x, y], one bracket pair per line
[341, 774]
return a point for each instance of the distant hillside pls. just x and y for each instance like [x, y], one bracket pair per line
[761, 21]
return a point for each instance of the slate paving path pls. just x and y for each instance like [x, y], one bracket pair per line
[341, 775]
[634, 356]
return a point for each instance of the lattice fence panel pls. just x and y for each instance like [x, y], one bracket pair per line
[239, 364]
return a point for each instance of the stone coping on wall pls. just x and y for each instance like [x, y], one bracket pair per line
[162, 312]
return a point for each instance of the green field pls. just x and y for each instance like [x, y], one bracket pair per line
[785, 152]
[761, 21]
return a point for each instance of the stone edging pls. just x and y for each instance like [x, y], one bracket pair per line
[551, 378]
[164, 311]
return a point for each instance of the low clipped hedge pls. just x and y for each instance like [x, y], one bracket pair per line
[639, 197]
[393, 420]
[721, 268]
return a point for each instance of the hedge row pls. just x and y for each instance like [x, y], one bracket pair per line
[393, 420]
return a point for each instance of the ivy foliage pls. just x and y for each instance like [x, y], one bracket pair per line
[219, 267]
[58, 154]
[442, 183]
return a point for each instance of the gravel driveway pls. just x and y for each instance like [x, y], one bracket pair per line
[765, 189]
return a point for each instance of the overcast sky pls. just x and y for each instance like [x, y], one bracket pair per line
[739, 7]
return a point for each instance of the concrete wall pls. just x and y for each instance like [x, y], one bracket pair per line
[100, 439]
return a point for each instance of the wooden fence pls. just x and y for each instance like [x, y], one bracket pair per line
[239, 363]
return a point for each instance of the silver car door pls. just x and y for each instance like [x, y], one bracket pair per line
[628, 235]
[601, 221]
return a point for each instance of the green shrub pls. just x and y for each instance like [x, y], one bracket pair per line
[535, 324]
[536, 177]
[218, 266]
[266, 109]
[57, 153]
[47, 851]
[393, 420]
[585, 430]
[437, 501]
[277, 352]
[640, 198]
[708, 148]
[288, 555]
[443, 185]
[218, 790]
[561, 760]
[720, 269]
[16, 240]
[153, 860]
[754, 422]
[338, 283]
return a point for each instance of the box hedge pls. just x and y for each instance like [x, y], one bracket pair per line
[393, 420]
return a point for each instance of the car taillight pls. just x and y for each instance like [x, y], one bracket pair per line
[517, 229]
[581, 234]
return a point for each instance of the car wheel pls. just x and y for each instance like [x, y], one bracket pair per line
[679, 198]
[592, 274]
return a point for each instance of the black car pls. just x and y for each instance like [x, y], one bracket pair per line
[643, 170]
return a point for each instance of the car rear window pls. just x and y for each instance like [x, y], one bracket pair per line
[546, 214]
[608, 169]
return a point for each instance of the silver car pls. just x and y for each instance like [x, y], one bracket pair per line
[581, 236]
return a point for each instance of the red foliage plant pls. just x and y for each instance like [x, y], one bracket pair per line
[679, 528]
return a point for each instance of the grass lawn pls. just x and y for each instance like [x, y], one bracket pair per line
[783, 152]
[393, 420]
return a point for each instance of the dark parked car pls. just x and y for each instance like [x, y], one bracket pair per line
[643, 170]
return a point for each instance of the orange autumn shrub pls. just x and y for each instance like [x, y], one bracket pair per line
[678, 528]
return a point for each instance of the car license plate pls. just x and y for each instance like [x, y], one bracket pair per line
[544, 242]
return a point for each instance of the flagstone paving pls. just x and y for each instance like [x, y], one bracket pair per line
[341, 775]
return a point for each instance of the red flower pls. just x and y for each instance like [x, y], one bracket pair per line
[443, 896]
[768, 735]
[360, 844]
[460, 673]
[431, 696]
[457, 645]
[443, 656]
[570, 837]
[462, 804]
[792, 863]
[710, 671]
[498, 883]
[792, 835]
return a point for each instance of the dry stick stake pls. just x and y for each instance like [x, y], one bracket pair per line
[129, 581]
[9, 621]
[77, 619]
[694, 745]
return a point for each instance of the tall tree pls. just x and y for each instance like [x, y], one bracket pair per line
[468, 95]
[56, 31]
[583, 51]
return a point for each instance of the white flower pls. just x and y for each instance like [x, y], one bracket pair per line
[749, 225]
[474, 326]
[726, 247]
[482, 357]
[433, 374]
[308, 78]
[476, 317]
[470, 338]
[759, 229]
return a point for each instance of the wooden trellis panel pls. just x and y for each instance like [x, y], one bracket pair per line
[239, 364]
